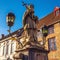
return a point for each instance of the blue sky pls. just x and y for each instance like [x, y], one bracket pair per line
[42, 8]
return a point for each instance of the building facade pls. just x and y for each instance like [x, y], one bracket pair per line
[8, 44]
[7, 48]
[52, 21]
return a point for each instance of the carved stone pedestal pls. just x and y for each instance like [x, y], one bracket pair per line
[31, 53]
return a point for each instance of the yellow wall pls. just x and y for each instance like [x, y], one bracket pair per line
[54, 55]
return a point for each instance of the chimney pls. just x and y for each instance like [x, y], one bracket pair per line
[2, 36]
[56, 11]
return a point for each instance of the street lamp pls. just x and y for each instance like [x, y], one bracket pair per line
[45, 30]
[45, 33]
[10, 20]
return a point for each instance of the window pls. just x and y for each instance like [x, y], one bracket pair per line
[3, 50]
[7, 47]
[52, 44]
[12, 47]
[50, 29]
[57, 12]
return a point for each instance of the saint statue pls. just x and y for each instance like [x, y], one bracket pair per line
[29, 23]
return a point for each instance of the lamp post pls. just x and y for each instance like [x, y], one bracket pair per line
[45, 33]
[10, 20]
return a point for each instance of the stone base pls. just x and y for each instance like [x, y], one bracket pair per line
[31, 53]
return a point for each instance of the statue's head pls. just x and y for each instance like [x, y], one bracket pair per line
[31, 6]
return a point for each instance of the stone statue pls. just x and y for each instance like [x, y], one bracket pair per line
[29, 23]
[29, 14]
[30, 43]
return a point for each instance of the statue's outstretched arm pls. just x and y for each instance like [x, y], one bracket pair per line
[24, 4]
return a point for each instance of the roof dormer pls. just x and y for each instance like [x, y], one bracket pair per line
[57, 11]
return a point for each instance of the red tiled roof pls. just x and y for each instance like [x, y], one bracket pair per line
[56, 8]
[48, 20]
